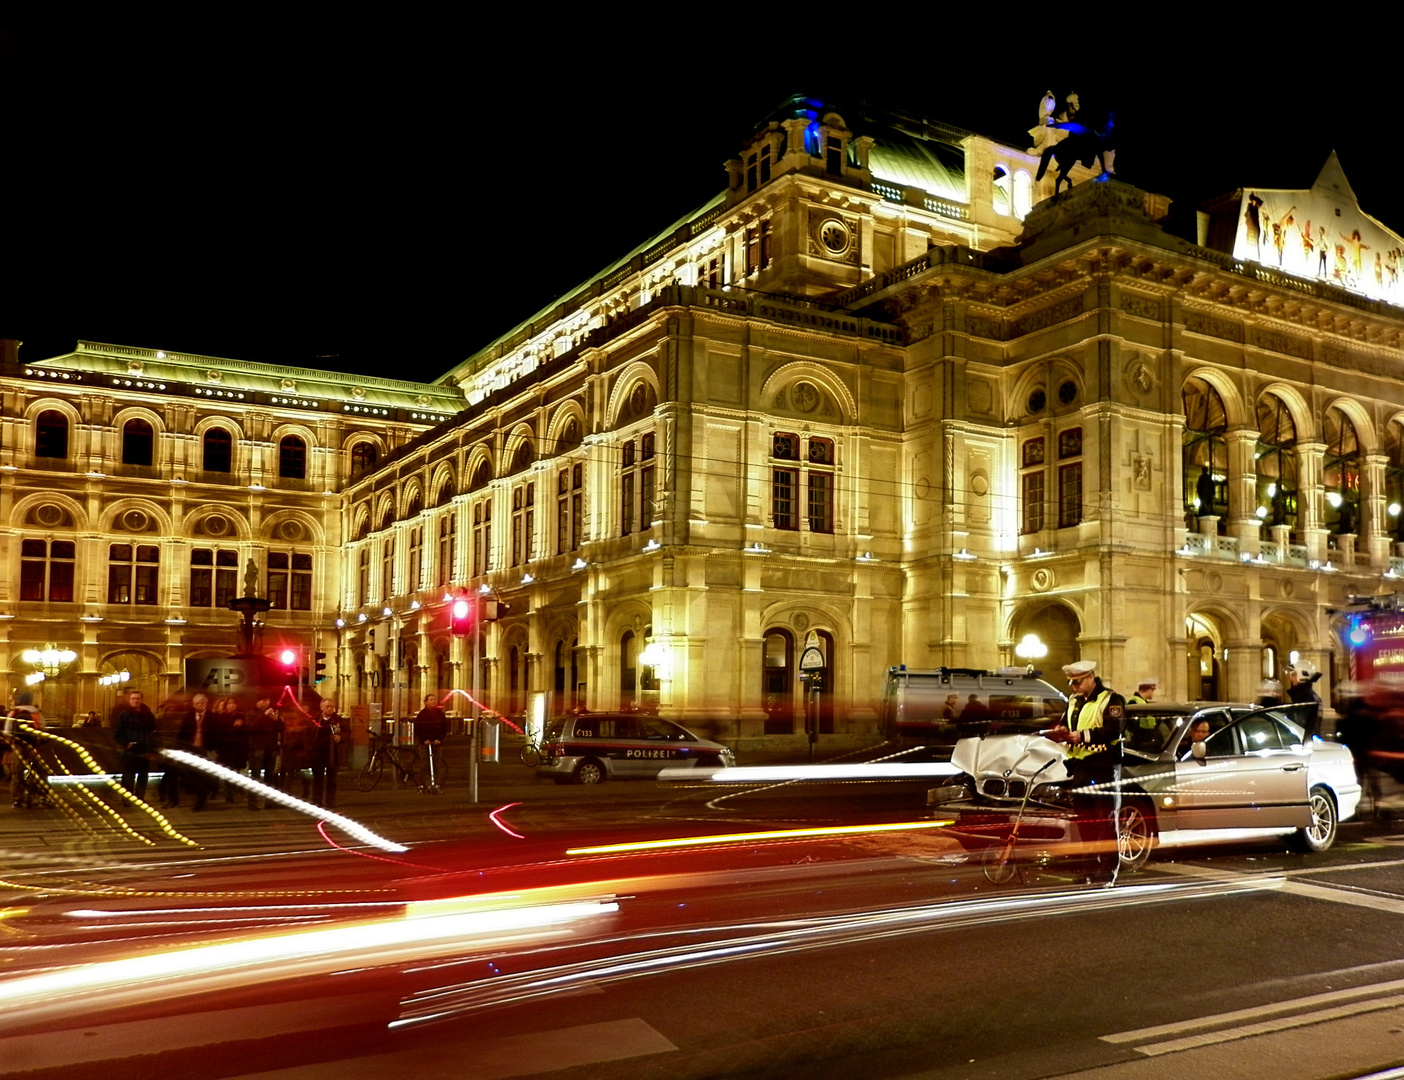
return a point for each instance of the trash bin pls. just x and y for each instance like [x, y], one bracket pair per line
[490, 741]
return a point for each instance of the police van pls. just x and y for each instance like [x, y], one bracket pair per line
[936, 706]
[595, 747]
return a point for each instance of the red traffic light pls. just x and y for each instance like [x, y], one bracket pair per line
[461, 616]
[288, 657]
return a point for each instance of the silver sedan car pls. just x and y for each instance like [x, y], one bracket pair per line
[1191, 774]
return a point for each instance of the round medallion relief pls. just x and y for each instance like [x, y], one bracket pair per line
[800, 622]
[214, 525]
[805, 397]
[638, 398]
[291, 530]
[1041, 580]
[980, 484]
[49, 514]
[135, 521]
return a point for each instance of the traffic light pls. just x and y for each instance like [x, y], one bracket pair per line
[461, 616]
[289, 663]
[319, 668]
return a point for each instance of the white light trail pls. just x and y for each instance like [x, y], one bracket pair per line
[345, 824]
[754, 774]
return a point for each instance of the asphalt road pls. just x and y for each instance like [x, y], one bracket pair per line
[881, 953]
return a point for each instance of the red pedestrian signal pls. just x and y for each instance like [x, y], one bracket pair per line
[288, 662]
[461, 616]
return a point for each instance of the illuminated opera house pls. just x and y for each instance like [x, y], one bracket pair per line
[885, 395]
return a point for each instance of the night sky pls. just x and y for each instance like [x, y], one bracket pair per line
[387, 198]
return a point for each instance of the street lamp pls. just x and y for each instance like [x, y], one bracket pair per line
[50, 660]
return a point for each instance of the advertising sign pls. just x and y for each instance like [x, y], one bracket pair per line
[1321, 234]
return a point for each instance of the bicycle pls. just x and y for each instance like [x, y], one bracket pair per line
[383, 749]
[531, 753]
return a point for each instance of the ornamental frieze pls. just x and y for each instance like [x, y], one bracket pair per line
[1197, 322]
[1288, 344]
[1049, 316]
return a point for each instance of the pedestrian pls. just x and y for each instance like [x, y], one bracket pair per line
[324, 753]
[135, 735]
[265, 730]
[232, 748]
[197, 736]
[20, 723]
[431, 728]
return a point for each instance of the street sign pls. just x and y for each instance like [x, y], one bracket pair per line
[811, 640]
[811, 659]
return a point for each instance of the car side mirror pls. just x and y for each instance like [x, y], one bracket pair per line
[1199, 751]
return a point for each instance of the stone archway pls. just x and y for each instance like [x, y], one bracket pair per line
[1052, 626]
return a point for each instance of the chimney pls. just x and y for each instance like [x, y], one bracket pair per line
[9, 352]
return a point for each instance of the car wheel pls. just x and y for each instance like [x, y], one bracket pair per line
[998, 863]
[1135, 836]
[1321, 833]
[589, 772]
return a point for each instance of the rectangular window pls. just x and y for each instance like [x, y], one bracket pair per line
[213, 577]
[132, 574]
[1069, 494]
[577, 505]
[821, 502]
[570, 508]
[363, 577]
[1032, 493]
[416, 559]
[785, 446]
[646, 497]
[446, 529]
[1033, 452]
[290, 580]
[482, 538]
[626, 500]
[784, 483]
[387, 569]
[1069, 443]
[46, 570]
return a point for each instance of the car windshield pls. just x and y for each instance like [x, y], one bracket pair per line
[1149, 731]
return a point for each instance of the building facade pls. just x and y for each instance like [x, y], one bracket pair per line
[885, 396]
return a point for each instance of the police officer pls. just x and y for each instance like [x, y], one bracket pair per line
[1145, 691]
[1092, 728]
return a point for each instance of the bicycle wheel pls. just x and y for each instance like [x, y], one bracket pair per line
[370, 772]
[531, 755]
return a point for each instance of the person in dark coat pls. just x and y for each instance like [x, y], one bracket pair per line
[324, 753]
[198, 736]
[135, 735]
[264, 728]
[431, 728]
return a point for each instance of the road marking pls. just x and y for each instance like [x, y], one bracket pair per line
[111, 1042]
[1330, 997]
[1267, 1027]
[494, 1059]
[1343, 895]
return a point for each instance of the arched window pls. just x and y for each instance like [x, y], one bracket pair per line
[482, 475]
[570, 436]
[446, 491]
[1341, 474]
[138, 441]
[292, 458]
[524, 455]
[1276, 463]
[777, 682]
[51, 434]
[1394, 479]
[1000, 194]
[364, 455]
[1204, 455]
[218, 450]
[416, 504]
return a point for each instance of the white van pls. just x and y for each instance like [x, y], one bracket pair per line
[931, 706]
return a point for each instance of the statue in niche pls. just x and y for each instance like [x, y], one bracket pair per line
[251, 578]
